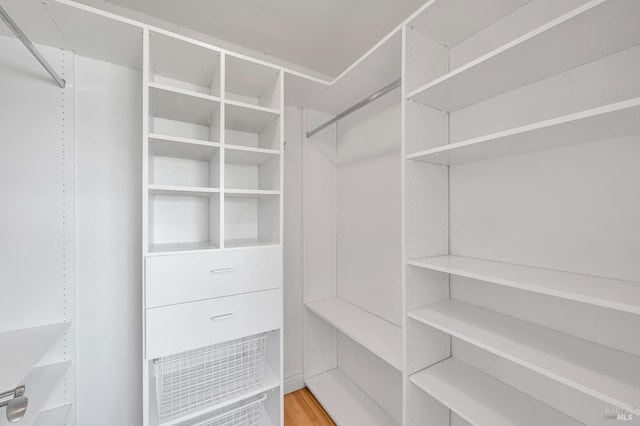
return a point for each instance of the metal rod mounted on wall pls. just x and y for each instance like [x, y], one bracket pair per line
[27, 43]
[388, 88]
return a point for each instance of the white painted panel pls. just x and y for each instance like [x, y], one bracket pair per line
[378, 379]
[109, 209]
[528, 218]
[368, 208]
[292, 244]
[37, 217]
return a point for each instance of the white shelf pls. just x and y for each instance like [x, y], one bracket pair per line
[250, 79]
[182, 105]
[483, 400]
[599, 291]
[175, 248]
[345, 402]
[177, 147]
[270, 381]
[589, 32]
[249, 156]
[40, 384]
[250, 193]
[190, 191]
[374, 333]
[22, 349]
[599, 371]
[248, 118]
[54, 417]
[248, 242]
[610, 121]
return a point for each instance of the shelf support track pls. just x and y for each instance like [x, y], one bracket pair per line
[388, 88]
[27, 43]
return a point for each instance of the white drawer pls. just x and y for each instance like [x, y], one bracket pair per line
[179, 328]
[190, 277]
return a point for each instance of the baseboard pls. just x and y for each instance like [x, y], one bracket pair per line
[293, 382]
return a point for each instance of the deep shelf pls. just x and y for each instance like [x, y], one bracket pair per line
[177, 147]
[564, 43]
[182, 105]
[182, 190]
[599, 291]
[379, 336]
[249, 156]
[481, 399]
[607, 374]
[345, 402]
[610, 121]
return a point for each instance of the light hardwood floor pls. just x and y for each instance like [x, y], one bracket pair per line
[302, 409]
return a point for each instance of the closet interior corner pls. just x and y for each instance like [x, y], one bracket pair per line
[436, 227]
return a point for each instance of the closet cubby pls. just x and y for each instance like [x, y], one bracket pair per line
[521, 110]
[253, 83]
[251, 218]
[189, 66]
[179, 113]
[257, 169]
[180, 162]
[250, 126]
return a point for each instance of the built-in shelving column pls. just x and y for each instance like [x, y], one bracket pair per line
[212, 249]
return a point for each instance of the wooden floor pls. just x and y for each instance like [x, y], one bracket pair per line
[302, 409]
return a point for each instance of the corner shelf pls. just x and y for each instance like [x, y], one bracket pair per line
[345, 402]
[606, 292]
[22, 349]
[562, 44]
[610, 121]
[607, 374]
[381, 337]
[54, 417]
[483, 400]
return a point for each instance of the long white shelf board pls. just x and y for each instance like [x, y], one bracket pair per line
[345, 402]
[248, 243]
[53, 417]
[248, 118]
[481, 399]
[191, 191]
[179, 248]
[182, 105]
[374, 333]
[589, 32]
[250, 193]
[40, 384]
[610, 121]
[270, 381]
[599, 291]
[177, 147]
[607, 374]
[22, 349]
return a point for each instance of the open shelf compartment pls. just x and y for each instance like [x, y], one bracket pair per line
[379, 336]
[176, 62]
[251, 168]
[483, 400]
[252, 83]
[184, 114]
[251, 218]
[604, 373]
[252, 127]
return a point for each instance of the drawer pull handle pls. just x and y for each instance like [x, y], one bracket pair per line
[220, 271]
[221, 317]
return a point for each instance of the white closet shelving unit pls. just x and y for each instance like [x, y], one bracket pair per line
[521, 274]
[212, 174]
[344, 322]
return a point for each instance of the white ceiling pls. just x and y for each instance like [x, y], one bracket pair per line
[322, 35]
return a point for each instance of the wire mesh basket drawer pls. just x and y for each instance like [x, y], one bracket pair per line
[208, 375]
[244, 413]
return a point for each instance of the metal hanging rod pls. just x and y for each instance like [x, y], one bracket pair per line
[27, 43]
[388, 88]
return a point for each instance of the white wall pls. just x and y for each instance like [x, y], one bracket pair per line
[108, 167]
